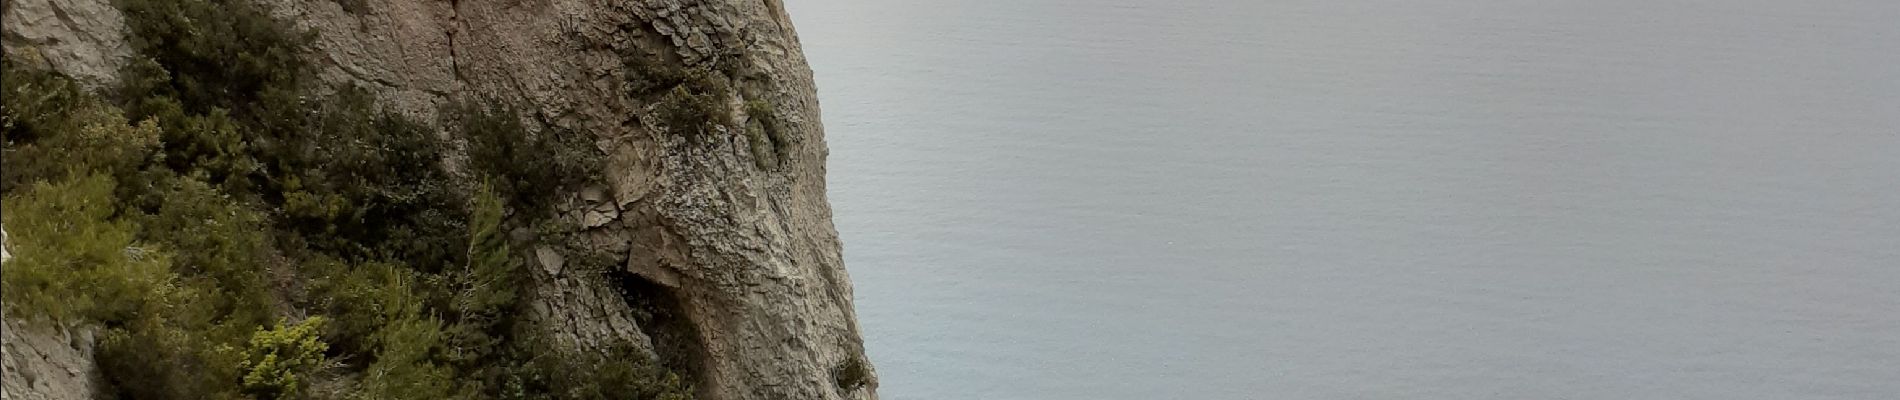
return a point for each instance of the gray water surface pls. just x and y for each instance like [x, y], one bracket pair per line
[1380, 199]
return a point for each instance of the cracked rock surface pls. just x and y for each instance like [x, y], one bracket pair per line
[83, 38]
[743, 249]
[41, 362]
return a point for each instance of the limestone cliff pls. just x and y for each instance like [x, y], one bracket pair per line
[725, 240]
[46, 363]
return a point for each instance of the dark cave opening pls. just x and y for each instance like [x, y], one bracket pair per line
[660, 313]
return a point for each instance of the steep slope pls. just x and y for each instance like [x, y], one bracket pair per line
[729, 266]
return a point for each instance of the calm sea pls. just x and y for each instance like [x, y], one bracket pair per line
[1378, 199]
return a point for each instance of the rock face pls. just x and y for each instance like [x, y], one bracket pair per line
[46, 363]
[724, 239]
[82, 38]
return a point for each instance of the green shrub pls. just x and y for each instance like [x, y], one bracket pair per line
[622, 372]
[688, 101]
[410, 350]
[694, 110]
[211, 144]
[228, 54]
[227, 82]
[76, 262]
[36, 102]
[72, 259]
[277, 358]
[222, 77]
[214, 238]
[359, 300]
[485, 290]
[523, 166]
[172, 357]
[489, 289]
[50, 128]
[368, 185]
[408, 365]
[645, 75]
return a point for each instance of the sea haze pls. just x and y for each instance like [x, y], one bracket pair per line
[1381, 199]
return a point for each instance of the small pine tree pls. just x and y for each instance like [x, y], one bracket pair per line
[409, 362]
[490, 273]
[278, 356]
[487, 286]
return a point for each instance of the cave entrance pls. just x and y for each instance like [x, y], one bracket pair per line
[665, 319]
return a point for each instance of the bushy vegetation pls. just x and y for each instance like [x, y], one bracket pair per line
[521, 165]
[74, 261]
[216, 54]
[50, 127]
[691, 102]
[593, 376]
[694, 110]
[687, 101]
[279, 358]
[238, 231]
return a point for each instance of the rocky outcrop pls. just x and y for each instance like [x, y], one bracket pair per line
[45, 363]
[724, 258]
[82, 38]
[745, 256]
